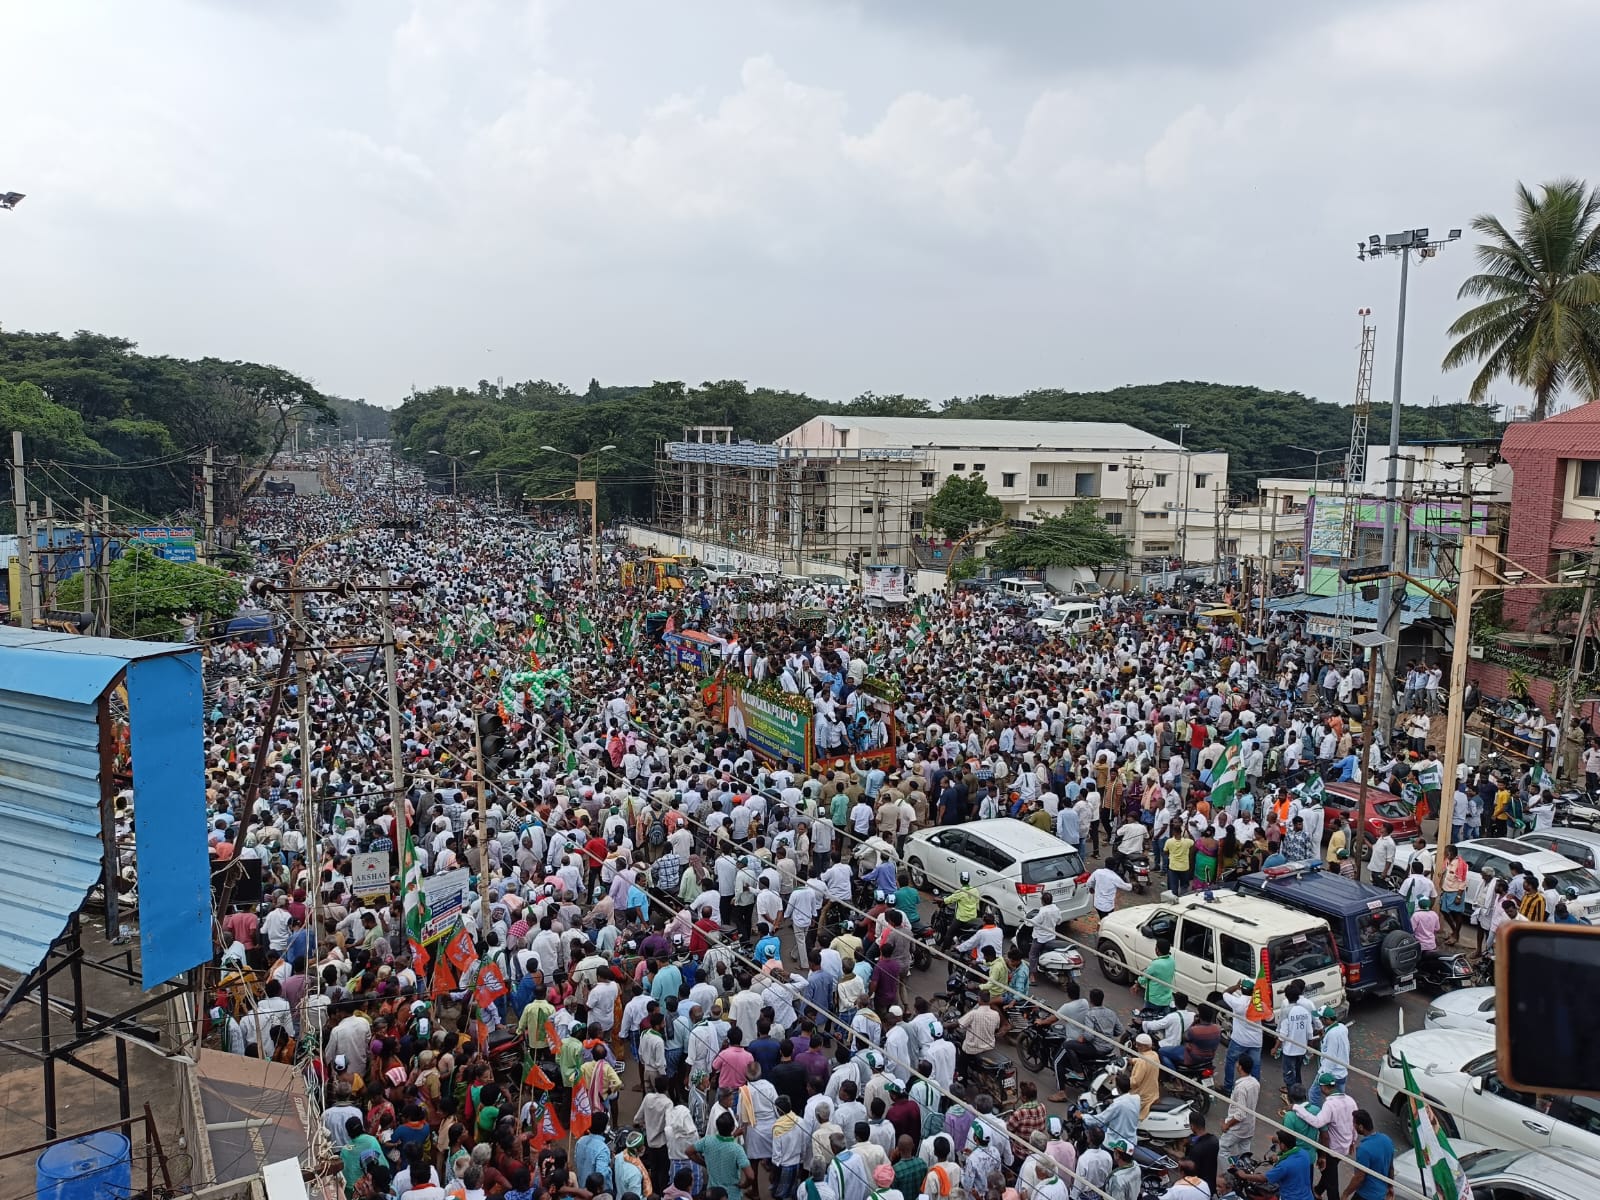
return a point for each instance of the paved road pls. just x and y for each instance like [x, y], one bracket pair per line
[1373, 1025]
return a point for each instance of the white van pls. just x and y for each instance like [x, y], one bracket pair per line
[1075, 616]
[1031, 590]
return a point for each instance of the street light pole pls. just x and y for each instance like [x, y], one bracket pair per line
[1183, 495]
[593, 498]
[1316, 464]
[1403, 244]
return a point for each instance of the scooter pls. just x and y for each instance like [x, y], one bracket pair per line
[1444, 970]
[1167, 1124]
[1060, 964]
[1168, 1121]
[1135, 869]
[992, 1073]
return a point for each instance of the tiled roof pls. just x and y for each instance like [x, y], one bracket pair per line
[1571, 434]
[1574, 533]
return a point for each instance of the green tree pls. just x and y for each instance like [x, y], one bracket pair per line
[962, 503]
[150, 596]
[1077, 537]
[1539, 321]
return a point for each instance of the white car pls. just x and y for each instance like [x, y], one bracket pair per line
[1071, 617]
[1219, 942]
[1011, 864]
[1512, 1174]
[1455, 1071]
[1470, 1008]
[1498, 854]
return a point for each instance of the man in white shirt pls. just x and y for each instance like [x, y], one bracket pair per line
[1104, 884]
[1043, 923]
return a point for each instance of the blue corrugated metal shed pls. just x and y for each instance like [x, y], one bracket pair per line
[51, 847]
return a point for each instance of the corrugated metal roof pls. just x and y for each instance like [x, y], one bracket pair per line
[50, 786]
[995, 435]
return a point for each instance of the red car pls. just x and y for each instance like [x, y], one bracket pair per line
[1384, 811]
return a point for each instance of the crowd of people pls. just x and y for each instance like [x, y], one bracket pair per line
[625, 955]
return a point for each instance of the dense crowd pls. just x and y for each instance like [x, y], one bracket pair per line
[674, 968]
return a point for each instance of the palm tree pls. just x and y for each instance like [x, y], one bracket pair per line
[1539, 321]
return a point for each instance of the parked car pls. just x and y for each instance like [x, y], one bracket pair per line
[1499, 854]
[1011, 864]
[1378, 955]
[1455, 1071]
[1512, 1174]
[1383, 812]
[1221, 941]
[1582, 846]
[1470, 1008]
[1073, 617]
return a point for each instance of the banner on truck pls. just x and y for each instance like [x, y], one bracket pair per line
[776, 733]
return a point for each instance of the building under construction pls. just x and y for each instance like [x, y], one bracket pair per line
[788, 502]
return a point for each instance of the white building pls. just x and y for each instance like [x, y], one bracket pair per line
[1166, 499]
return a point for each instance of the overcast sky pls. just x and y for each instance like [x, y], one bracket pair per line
[938, 197]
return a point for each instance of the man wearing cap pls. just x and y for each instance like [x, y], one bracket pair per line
[1333, 1048]
[1126, 1176]
[1144, 1071]
[983, 1161]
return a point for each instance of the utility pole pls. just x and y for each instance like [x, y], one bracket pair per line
[1470, 580]
[1183, 495]
[483, 835]
[103, 592]
[397, 764]
[47, 559]
[19, 501]
[86, 570]
[1569, 687]
[209, 503]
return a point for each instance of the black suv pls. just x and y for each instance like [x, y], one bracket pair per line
[1378, 955]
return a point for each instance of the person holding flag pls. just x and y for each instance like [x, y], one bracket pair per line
[1311, 795]
[1251, 1005]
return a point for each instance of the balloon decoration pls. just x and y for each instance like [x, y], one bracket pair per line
[535, 683]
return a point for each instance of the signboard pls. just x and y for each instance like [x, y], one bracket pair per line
[775, 732]
[1325, 535]
[447, 897]
[369, 873]
[1328, 627]
[884, 581]
[694, 651]
[175, 543]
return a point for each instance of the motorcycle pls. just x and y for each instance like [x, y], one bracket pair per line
[959, 996]
[1443, 970]
[1577, 811]
[932, 936]
[1135, 869]
[1238, 1188]
[992, 1073]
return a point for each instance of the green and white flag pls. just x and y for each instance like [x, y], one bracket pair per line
[1442, 1176]
[447, 639]
[1312, 791]
[919, 632]
[414, 901]
[1541, 778]
[1225, 777]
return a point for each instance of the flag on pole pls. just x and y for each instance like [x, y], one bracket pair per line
[1541, 778]
[919, 632]
[537, 1078]
[546, 1127]
[414, 901]
[1442, 1176]
[582, 1108]
[447, 639]
[1260, 1007]
[569, 756]
[1225, 778]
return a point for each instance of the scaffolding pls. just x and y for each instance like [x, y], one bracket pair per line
[838, 506]
[1355, 471]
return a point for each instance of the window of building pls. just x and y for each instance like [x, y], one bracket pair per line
[928, 478]
[1200, 479]
[1083, 484]
[1113, 518]
[916, 520]
[958, 466]
[1157, 547]
[1156, 514]
[1113, 467]
[1042, 479]
[1589, 479]
[1008, 479]
[866, 508]
[978, 466]
[1161, 480]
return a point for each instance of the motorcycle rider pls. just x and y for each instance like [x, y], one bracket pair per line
[989, 934]
[1170, 1028]
[1081, 1045]
[964, 902]
[1129, 840]
[1155, 981]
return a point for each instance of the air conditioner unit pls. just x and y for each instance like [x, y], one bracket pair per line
[1170, 504]
[1474, 651]
[1471, 749]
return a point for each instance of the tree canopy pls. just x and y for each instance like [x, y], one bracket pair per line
[1077, 537]
[1539, 321]
[150, 596]
[963, 503]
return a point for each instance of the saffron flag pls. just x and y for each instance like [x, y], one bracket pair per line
[582, 1108]
[547, 1127]
[444, 979]
[491, 985]
[460, 953]
[537, 1078]
[1260, 1008]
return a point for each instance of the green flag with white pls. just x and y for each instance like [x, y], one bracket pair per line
[1225, 778]
[1442, 1176]
[414, 901]
[1541, 778]
[1312, 791]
